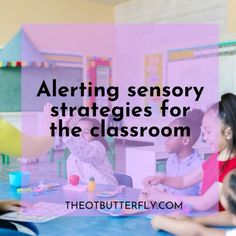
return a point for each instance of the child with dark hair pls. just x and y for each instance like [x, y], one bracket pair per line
[219, 129]
[184, 158]
[88, 156]
[181, 226]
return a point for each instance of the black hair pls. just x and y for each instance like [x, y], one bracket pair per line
[226, 110]
[193, 120]
[231, 195]
[95, 123]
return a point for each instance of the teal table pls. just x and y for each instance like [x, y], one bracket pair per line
[96, 225]
[87, 225]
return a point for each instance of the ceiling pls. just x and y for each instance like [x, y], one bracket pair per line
[111, 2]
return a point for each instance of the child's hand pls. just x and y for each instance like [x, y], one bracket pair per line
[158, 195]
[152, 180]
[178, 215]
[12, 205]
[157, 222]
[144, 195]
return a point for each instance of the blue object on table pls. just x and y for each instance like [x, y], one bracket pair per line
[11, 232]
[113, 211]
[123, 179]
[19, 178]
[107, 194]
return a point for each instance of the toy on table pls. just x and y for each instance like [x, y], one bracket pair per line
[19, 178]
[117, 210]
[108, 194]
[39, 188]
[75, 188]
[74, 185]
[24, 190]
[91, 185]
[40, 212]
[74, 180]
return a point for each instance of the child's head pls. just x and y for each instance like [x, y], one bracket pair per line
[228, 194]
[193, 120]
[219, 124]
[86, 124]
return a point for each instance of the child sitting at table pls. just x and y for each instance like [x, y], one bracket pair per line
[88, 156]
[198, 225]
[184, 158]
[219, 129]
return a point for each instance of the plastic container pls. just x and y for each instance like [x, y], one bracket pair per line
[19, 178]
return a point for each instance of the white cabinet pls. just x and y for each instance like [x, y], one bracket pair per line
[143, 161]
[140, 163]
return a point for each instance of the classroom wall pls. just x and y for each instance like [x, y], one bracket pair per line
[174, 11]
[219, 12]
[231, 16]
[14, 13]
[79, 39]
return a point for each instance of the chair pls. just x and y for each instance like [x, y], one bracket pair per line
[114, 123]
[61, 164]
[161, 166]
[111, 154]
[51, 155]
[11, 232]
[111, 140]
[5, 159]
[124, 179]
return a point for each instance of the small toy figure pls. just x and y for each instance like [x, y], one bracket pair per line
[91, 184]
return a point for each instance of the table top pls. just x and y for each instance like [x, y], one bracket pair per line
[83, 225]
[100, 225]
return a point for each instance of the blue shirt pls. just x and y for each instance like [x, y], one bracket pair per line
[176, 167]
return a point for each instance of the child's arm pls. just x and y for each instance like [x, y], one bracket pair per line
[183, 228]
[10, 139]
[223, 218]
[179, 182]
[199, 203]
[15, 143]
[11, 205]
[185, 181]
[36, 146]
[205, 201]
[90, 152]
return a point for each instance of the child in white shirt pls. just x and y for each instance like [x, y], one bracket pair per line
[88, 156]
